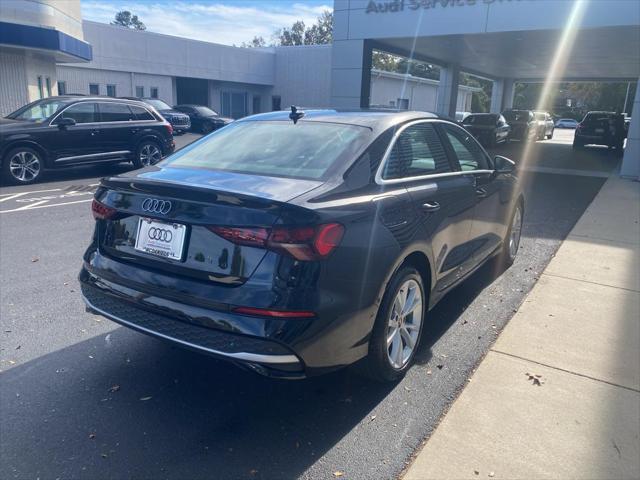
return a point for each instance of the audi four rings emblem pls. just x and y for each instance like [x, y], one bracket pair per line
[161, 234]
[153, 205]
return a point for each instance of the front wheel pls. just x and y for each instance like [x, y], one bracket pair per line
[398, 327]
[148, 153]
[22, 166]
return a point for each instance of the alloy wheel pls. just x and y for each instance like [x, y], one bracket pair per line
[516, 232]
[24, 166]
[405, 321]
[149, 154]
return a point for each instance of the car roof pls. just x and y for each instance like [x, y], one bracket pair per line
[95, 98]
[371, 118]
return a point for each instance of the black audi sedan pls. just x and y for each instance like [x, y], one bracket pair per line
[69, 131]
[203, 119]
[489, 128]
[295, 244]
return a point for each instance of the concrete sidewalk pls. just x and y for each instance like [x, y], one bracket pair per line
[558, 395]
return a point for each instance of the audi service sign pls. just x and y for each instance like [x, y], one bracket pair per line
[160, 238]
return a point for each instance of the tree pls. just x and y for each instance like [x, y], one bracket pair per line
[320, 33]
[124, 18]
[255, 43]
[292, 36]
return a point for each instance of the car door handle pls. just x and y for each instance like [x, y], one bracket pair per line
[481, 192]
[94, 132]
[431, 206]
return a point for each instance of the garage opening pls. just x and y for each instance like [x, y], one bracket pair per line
[192, 90]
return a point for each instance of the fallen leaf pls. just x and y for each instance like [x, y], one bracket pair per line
[104, 455]
[491, 474]
[144, 399]
[428, 372]
[253, 471]
[373, 417]
[18, 347]
[338, 473]
[92, 436]
[440, 366]
[114, 388]
[476, 472]
[535, 379]
[34, 259]
[407, 389]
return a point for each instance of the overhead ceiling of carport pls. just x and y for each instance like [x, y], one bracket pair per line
[599, 53]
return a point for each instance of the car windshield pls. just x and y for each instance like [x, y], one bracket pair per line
[306, 150]
[480, 120]
[516, 116]
[206, 111]
[541, 116]
[158, 104]
[37, 112]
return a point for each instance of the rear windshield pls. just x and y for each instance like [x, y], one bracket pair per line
[306, 150]
[517, 115]
[541, 116]
[157, 104]
[480, 120]
[597, 117]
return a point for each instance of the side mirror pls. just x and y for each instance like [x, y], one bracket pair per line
[65, 122]
[503, 165]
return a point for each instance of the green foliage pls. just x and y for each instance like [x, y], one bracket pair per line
[124, 18]
[480, 101]
[394, 63]
[255, 43]
[320, 33]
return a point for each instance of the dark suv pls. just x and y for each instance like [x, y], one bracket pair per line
[298, 243]
[181, 122]
[524, 126]
[68, 131]
[601, 128]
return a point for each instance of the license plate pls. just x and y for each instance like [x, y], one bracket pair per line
[161, 239]
[599, 130]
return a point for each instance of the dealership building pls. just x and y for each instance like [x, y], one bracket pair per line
[46, 48]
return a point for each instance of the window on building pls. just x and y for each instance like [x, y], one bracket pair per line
[276, 102]
[85, 112]
[111, 91]
[62, 88]
[417, 151]
[139, 91]
[467, 150]
[115, 112]
[403, 104]
[94, 89]
[257, 104]
[40, 89]
[234, 104]
[48, 82]
[154, 92]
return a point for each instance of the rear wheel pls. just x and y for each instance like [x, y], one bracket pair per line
[398, 327]
[148, 153]
[550, 136]
[207, 128]
[22, 166]
[512, 240]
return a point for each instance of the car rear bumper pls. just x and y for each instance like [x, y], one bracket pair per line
[264, 356]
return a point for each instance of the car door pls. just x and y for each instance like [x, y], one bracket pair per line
[73, 143]
[491, 202]
[118, 126]
[441, 199]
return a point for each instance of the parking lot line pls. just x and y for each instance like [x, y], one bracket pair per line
[36, 205]
[11, 196]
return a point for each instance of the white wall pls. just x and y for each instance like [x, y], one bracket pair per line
[303, 75]
[13, 87]
[63, 15]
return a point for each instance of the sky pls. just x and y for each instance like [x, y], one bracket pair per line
[220, 21]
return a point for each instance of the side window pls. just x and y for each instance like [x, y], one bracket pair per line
[417, 151]
[467, 151]
[81, 112]
[115, 112]
[141, 113]
[501, 121]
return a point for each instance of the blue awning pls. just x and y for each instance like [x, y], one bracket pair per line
[26, 36]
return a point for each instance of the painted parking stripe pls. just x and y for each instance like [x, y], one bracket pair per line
[36, 205]
[11, 196]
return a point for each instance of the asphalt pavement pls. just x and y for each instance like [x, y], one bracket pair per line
[83, 398]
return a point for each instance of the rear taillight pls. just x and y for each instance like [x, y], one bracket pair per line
[302, 243]
[101, 211]
[265, 312]
[169, 128]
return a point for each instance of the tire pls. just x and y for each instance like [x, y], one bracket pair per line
[379, 364]
[22, 166]
[550, 136]
[207, 128]
[147, 153]
[511, 243]
[577, 144]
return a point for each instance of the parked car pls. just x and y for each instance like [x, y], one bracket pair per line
[460, 116]
[295, 244]
[601, 128]
[203, 119]
[523, 124]
[180, 122]
[66, 131]
[546, 126]
[488, 128]
[566, 123]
